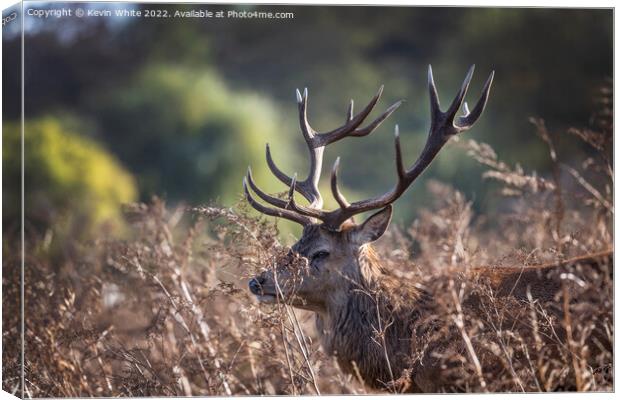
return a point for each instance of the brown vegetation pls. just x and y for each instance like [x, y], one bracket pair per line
[166, 311]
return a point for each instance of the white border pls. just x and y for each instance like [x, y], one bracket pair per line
[459, 3]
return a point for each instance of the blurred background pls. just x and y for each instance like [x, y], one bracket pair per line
[120, 109]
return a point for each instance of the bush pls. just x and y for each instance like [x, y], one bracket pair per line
[69, 178]
[189, 137]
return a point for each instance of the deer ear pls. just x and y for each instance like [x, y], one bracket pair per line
[374, 227]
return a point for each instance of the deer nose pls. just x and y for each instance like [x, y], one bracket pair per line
[255, 285]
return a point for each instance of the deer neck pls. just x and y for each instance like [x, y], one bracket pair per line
[348, 326]
[359, 288]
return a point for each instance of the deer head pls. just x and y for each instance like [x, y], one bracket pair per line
[333, 254]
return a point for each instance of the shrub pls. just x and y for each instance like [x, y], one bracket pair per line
[188, 136]
[68, 177]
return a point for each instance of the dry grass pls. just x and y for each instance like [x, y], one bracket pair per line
[166, 311]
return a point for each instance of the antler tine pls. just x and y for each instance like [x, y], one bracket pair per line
[302, 104]
[470, 118]
[353, 122]
[309, 187]
[292, 205]
[400, 168]
[443, 127]
[374, 124]
[274, 212]
[458, 100]
[289, 204]
[432, 93]
[274, 168]
[323, 139]
[342, 202]
[274, 201]
[350, 112]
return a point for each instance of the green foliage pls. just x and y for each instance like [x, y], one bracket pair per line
[188, 128]
[66, 175]
[188, 136]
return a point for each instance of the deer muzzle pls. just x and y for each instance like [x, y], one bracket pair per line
[257, 287]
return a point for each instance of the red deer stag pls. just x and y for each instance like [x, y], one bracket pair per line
[333, 271]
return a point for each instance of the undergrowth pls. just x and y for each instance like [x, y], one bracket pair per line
[166, 311]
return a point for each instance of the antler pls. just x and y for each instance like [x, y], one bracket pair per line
[316, 143]
[444, 125]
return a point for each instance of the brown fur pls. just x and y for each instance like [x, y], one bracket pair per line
[515, 280]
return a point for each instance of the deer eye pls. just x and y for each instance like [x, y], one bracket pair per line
[320, 255]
